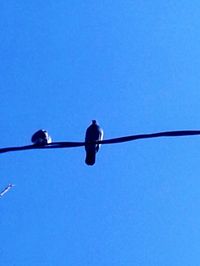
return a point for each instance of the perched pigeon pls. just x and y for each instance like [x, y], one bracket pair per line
[93, 133]
[41, 137]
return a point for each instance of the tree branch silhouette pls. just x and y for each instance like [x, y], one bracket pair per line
[58, 145]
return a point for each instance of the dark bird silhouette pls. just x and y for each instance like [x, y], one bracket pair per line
[93, 133]
[41, 137]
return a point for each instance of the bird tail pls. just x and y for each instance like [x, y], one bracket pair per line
[90, 158]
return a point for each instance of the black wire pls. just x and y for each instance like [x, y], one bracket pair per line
[152, 135]
[58, 145]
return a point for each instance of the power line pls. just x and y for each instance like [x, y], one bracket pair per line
[58, 145]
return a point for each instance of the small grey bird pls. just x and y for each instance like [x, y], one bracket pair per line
[41, 137]
[93, 133]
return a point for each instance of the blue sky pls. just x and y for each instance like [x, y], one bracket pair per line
[134, 67]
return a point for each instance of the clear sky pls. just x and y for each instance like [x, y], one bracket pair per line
[134, 66]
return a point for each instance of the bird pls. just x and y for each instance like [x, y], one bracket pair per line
[93, 133]
[41, 137]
